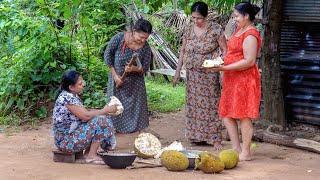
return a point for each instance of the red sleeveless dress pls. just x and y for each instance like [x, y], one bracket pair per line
[241, 90]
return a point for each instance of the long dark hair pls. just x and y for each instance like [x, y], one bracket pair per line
[200, 7]
[70, 77]
[247, 8]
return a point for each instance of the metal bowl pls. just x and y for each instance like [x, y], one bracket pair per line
[118, 160]
[192, 155]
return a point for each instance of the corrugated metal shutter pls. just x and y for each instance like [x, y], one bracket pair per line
[300, 67]
[301, 10]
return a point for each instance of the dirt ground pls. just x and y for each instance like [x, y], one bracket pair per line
[27, 155]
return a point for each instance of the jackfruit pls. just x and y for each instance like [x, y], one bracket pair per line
[213, 62]
[209, 163]
[174, 160]
[115, 101]
[229, 157]
[147, 145]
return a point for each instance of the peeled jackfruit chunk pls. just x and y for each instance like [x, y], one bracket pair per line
[115, 101]
[229, 157]
[174, 160]
[147, 145]
[209, 163]
[213, 62]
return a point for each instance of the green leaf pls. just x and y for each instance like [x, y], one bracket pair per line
[53, 64]
[42, 112]
[67, 13]
[63, 66]
[85, 21]
[2, 24]
[76, 2]
[10, 103]
[146, 9]
[87, 101]
[20, 104]
[19, 88]
[40, 2]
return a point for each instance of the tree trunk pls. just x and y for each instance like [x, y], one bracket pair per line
[271, 73]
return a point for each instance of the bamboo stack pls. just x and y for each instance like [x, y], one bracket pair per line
[164, 58]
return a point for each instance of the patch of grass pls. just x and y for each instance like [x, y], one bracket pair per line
[13, 122]
[10, 120]
[162, 97]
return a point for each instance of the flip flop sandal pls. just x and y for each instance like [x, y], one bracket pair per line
[94, 161]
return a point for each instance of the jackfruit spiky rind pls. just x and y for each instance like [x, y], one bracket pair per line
[174, 160]
[209, 163]
[230, 158]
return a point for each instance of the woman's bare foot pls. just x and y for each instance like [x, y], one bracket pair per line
[98, 158]
[245, 156]
[93, 160]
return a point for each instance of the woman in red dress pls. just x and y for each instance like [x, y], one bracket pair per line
[240, 97]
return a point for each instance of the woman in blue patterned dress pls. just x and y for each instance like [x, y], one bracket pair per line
[131, 91]
[77, 129]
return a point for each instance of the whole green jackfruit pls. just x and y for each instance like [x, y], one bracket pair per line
[229, 157]
[209, 163]
[174, 160]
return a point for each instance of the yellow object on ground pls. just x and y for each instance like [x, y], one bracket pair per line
[209, 163]
[229, 157]
[174, 160]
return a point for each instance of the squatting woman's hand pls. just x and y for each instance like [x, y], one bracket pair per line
[110, 109]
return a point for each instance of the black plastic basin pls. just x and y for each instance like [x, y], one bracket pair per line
[118, 160]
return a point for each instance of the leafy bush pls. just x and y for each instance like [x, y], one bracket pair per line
[41, 39]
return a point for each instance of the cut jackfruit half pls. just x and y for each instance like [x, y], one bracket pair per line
[147, 145]
[213, 62]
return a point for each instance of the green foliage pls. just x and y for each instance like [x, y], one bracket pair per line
[41, 39]
[170, 35]
[163, 97]
[35, 52]
[11, 120]
[222, 6]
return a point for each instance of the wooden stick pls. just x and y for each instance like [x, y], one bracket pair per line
[131, 62]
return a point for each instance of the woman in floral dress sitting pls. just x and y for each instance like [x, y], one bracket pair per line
[77, 129]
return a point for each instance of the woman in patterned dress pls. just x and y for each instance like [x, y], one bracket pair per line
[77, 129]
[131, 91]
[201, 40]
[241, 87]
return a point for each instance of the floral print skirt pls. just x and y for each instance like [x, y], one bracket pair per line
[203, 93]
[99, 129]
